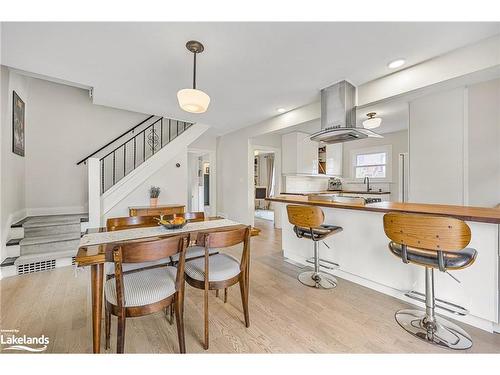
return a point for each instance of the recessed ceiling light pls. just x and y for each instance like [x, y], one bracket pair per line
[281, 110]
[396, 63]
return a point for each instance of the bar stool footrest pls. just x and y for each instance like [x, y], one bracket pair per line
[440, 304]
[323, 263]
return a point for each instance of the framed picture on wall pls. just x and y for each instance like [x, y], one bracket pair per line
[17, 125]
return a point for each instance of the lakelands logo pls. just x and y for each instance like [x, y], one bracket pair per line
[11, 340]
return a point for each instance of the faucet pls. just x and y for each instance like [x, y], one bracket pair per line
[367, 182]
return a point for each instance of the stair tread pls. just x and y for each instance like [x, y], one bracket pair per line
[9, 261]
[83, 217]
[13, 242]
[50, 238]
[53, 220]
[30, 258]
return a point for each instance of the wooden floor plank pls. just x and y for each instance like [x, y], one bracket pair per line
[285, 316]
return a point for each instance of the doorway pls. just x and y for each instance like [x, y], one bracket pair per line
[199, 183]
[264, 182]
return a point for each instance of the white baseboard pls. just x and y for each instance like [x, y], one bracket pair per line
[468, 319]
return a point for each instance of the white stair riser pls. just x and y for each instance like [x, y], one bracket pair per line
[51, 230]
[13, 251]
[49, 247]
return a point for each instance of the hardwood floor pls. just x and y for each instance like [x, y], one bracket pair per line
[285, 317]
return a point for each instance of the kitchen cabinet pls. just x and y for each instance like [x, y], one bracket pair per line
[299, 154]
[334, 159]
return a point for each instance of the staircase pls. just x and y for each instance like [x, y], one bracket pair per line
[131, 149]
[43, 243]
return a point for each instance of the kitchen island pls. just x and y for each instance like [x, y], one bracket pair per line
[364, 258]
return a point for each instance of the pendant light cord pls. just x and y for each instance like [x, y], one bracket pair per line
[194, 71]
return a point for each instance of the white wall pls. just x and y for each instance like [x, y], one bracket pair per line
[171, 180]
[484, 144]
[13, 203]
[65, 127]
[398, 141]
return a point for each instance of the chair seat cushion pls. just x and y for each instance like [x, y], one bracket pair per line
[319, 233]
[452, 259]
[220, 267]
[109, 267]
[194, 252]
[143, 287]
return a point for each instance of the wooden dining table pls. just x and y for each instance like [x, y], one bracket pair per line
[97, 242]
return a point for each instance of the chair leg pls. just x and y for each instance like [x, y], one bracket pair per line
[171, 310]
[107, 321]
[179, 318]
[244, 299]
[225, 295]
[205, 311]
[120, 337]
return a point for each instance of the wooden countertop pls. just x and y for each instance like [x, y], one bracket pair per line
[480, 214]
[339, 191]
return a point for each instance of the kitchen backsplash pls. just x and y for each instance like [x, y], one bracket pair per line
[304, 184]
[300, 184]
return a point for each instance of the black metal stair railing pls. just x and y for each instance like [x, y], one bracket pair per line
[122, 160]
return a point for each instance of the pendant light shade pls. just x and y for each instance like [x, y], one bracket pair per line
[372, 122]
[193, 100]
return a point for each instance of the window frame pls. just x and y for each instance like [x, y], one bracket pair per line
[354, 153]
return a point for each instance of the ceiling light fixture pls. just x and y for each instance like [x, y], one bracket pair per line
[193, 100]
[372, 122]
[281, 110]
[396, 63]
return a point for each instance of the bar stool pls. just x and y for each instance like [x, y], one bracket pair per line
[308, 223]
[431, 242]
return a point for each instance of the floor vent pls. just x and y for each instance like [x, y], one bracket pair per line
[43, 265]
[73, 260]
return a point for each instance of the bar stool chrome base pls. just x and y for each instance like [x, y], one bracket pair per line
[320, 280]
[442, 333]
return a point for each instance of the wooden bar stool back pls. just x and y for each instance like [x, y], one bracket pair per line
[433, 242]
[146, 291]
[221, 270]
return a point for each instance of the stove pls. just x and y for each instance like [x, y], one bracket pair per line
[373, 200]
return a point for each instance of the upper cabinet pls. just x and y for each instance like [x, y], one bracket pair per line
[334, 159]
[299, 154]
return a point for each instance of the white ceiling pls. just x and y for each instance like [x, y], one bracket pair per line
[248, 69]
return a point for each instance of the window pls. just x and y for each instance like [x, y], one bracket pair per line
[373, 162]
[371, 165]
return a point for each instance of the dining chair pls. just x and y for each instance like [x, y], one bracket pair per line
[221, 270]
[145, 291]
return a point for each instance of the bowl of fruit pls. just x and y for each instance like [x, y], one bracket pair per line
[171, 223]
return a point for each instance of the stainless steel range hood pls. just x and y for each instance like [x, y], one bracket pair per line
[338, 116]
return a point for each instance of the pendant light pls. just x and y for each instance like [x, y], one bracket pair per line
[193, 100]
[372, 122]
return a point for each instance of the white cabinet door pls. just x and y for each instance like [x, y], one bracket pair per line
[334, 159]
[436, 148]
[299, 154]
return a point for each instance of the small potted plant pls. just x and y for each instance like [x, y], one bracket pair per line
[154, 192]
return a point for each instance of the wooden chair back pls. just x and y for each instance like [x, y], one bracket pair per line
[145, 251]
[227, 238]
[305, 216]
[427, 232]
[129, 222]
[189, 216]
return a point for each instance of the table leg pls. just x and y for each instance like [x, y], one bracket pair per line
[96, 277]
